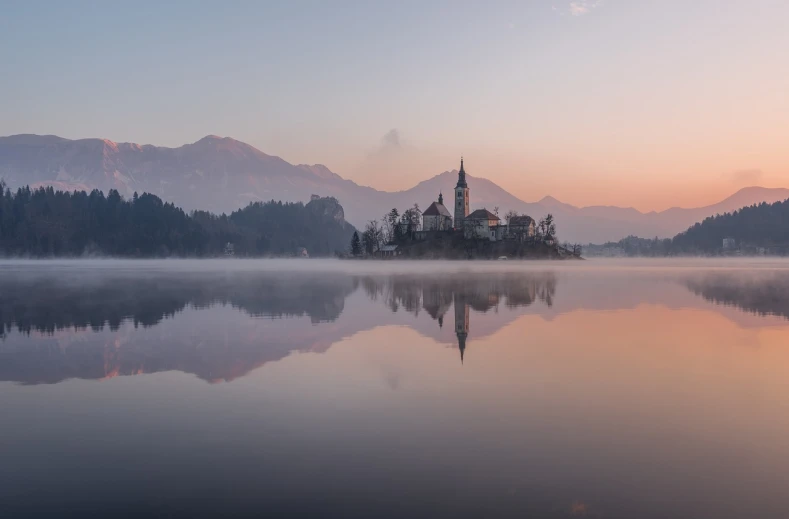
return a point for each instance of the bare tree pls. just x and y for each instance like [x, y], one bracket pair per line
[546, 229]
[412, 217]
[509, 215]
[389, 223]
[372, 237]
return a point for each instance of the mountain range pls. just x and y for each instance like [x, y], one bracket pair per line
[221, 174]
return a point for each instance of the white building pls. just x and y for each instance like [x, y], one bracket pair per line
[437, 217]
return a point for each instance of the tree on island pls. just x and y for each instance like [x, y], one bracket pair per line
[391, 226]
[372, 238]
[546, 229]
[356, 245]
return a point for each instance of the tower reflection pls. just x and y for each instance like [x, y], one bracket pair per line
[461, 323]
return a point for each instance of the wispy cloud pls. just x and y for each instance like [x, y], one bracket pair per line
[745, 177]
[579, 7]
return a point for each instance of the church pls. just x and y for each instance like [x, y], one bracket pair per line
[479, 224]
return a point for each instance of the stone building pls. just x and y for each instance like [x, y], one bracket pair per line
[482, 224]
[521, 228]
[437, 217]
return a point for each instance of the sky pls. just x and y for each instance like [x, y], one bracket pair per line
[637, 103]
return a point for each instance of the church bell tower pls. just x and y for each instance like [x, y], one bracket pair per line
[461, 197]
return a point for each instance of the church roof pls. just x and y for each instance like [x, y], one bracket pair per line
[436, 209]
[482, 214]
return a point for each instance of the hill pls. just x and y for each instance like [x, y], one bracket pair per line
[757, 229]
[763, 226]
[220, 174]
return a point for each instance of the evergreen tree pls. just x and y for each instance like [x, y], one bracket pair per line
[356, 245]
[45, 222]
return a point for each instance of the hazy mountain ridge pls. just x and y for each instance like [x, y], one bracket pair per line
[222, 174]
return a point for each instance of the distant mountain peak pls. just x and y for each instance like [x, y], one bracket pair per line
[319, 170]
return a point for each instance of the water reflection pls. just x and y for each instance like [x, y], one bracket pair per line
[530, 392]
[762, 293]
[121, 324]
[222, 326]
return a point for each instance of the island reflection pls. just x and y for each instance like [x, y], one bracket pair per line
[221, 326]
[55, 329]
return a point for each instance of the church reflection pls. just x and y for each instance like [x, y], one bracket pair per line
[222, 327]
[461, 323]
[462, 293]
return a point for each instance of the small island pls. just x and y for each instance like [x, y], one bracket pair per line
[481, 234]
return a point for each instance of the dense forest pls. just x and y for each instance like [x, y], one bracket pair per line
[44, 223]
[757, 229]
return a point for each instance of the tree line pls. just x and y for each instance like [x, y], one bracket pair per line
[759, 228]
[46, 223]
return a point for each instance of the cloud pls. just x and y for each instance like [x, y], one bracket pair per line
[580, 7]
[747, 177]
[391, 139]
[396, 162]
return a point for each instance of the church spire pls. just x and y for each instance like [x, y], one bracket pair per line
[461, 175]
[441, 198]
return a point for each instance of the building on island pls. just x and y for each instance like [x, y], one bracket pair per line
[729, 243]
[482, 224]
[521, 227]
[437, 217]
[461, 197]
[388, 251]
[476, 225]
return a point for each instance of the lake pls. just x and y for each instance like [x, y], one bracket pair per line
[309, 388]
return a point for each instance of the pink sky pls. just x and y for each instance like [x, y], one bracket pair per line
[632, 103]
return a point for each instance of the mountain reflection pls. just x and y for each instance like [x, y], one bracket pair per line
[56, 328]
[222, 325]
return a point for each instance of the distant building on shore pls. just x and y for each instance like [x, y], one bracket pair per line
[729, 243]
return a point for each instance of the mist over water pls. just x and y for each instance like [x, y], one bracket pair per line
[292, 388]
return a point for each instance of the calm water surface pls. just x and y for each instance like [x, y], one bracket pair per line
[358, 389]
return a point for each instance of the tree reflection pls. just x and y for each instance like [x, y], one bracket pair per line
[761, 293]
[94, 327]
